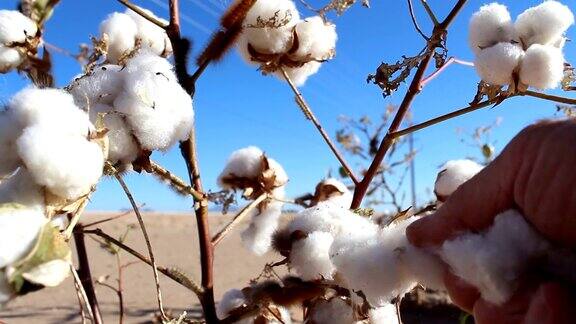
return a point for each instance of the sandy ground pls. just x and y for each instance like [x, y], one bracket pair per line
[175, 243]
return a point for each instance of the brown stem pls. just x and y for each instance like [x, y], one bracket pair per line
[413, 91]
[143, 13]
[230, 226]
[85, 275]
[165, 271]
[188, 151]
[173, 180]
[564, 100]
[430, 12]
[82, 298]
[415, 21]
[148, 243]
[310, 115]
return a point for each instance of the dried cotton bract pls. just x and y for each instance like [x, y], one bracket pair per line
[452, 175]
[234, 300]
[19, 35]
[530, 50]
[250, 171]
[123, 31]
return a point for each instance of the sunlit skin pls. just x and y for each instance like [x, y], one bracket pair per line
[534, 174]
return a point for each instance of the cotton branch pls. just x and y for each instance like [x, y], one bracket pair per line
[415, 21]
[143, 13]
[438, 35]
[310, 116]
[85, 275]
[230, 226]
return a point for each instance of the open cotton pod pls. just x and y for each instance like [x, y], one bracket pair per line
[452, 175]
[497, 64]
[332, 191]
[19, 37]
[489, 26]
[234, 300]
[544, 24]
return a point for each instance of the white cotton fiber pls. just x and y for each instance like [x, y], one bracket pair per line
[151, 35]
[15, 27]
[270, 39]
[310, 258]
[496, 64]
[121, 31]
[156, 107]
[10, 58]
[232, 299]
[341, 197]
[493, 260]
[19, 229]
[386, 314]
[67, 165]
[316, 39]
[102, 85]
[333, 311]
[453, 174]
[21, 188]
[9, 131]
[6, 292]
[375, 266]
[490, 25]
[258, 236]
[122, 145]
[299, 75]
[52, 108]
[542, 67]
[49, 274]
[544, 24]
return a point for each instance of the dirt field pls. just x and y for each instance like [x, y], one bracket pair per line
[175, 243]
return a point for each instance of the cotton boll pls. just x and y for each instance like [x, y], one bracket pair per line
[334, 192]
[10, 58]
[299, 75]
[277, 38]
[332, 311]
[67, 165]
[51, 108]
[454, 173]
[21, 188]
[424, 266]
[122, 145]
[156, 107]
[102, 85]
[488, 26]
[496, 64]
[232, 299]
[258, 236]
[310, 257]
[493, 260]
[245, 162]
[49, 274]
[19, 229]
[151, 35]
[544, 24]
[9, 131]
[386, 314]
[121, 31]
[542, 67]
[15, 27]
[316, 39]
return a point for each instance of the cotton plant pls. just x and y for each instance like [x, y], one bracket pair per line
[249, 170]
[19, 39]
[275, 38]
[234, 300]
[141, 104]
[528, 51]
[124, 32]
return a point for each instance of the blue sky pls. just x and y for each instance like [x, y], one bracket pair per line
[236, 106]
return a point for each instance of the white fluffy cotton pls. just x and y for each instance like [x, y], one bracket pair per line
[15, 27]
[544, 24]
[316, 39]
[299, 75]
[6, 292]
[21, 188]
[386, 314]
[232, 299]
[310, 257]
[493, 260]
[342, 198]
[9, 131]
[67, 165]
[121, 32]
[257, 237]
[542, 67]
[157, 108]
[490, 25]
[101, 86]
[49, 274]
[10, 58]
[19, 229]
[453, 174]
[496, 64]
[333, 311]
[151, 35]
[122, 144]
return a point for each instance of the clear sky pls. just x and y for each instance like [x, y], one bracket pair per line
[235, 106]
